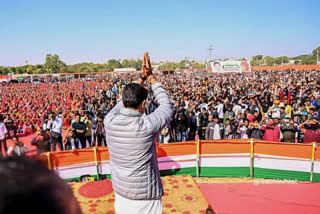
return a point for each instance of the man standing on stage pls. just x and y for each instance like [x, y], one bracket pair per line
[130, 136]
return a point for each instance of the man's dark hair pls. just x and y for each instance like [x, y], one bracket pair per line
[133, 95]
[100, 114]
[77, 114]
[312, 109]
[28, 187]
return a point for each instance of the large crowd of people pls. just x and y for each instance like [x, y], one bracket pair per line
[270, 105]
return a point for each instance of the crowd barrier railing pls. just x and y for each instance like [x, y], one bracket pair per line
[206, 158]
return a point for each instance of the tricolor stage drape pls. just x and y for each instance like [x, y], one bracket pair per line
[223, 158]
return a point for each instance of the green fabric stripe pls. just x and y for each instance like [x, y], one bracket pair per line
[316, 177]
[282, 174]
[234, 172]
[182, 171]
[225, 171]
[78, 178]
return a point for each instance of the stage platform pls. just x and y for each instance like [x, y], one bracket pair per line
[252, 198]
[182, 196]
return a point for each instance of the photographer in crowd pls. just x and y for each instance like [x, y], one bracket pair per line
[311, 130]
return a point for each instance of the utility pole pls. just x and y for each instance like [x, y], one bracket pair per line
[186, 62]
[210, 49]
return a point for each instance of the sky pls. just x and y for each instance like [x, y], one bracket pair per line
[95, 31]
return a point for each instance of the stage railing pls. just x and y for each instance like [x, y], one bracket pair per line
[220, 158]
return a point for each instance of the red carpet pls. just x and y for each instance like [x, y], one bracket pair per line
[247, 198]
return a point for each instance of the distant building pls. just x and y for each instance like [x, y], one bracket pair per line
[156, 66]
[124, 69]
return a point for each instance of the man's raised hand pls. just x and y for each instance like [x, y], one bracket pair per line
[146, 65]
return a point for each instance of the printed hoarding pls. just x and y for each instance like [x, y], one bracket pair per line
[230, 66]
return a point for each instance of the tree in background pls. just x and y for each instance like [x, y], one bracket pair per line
[4, 70]
[257, 60]
[112, 64]
[53, 64]
[314, 52]
[180, 65]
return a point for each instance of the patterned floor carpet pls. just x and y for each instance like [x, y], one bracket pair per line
[182, 195]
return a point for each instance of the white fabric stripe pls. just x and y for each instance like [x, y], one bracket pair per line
[257, 155]
[104, 168]
[177, 158]
[225, 162]
[72, 172]
[290, 165]
[316, 167]
[177, 165]
[226, 155]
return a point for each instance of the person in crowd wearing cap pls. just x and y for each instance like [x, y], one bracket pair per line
[271, 131]
[214, 129]
[274, 111]
[311, 130]
[288, 130]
